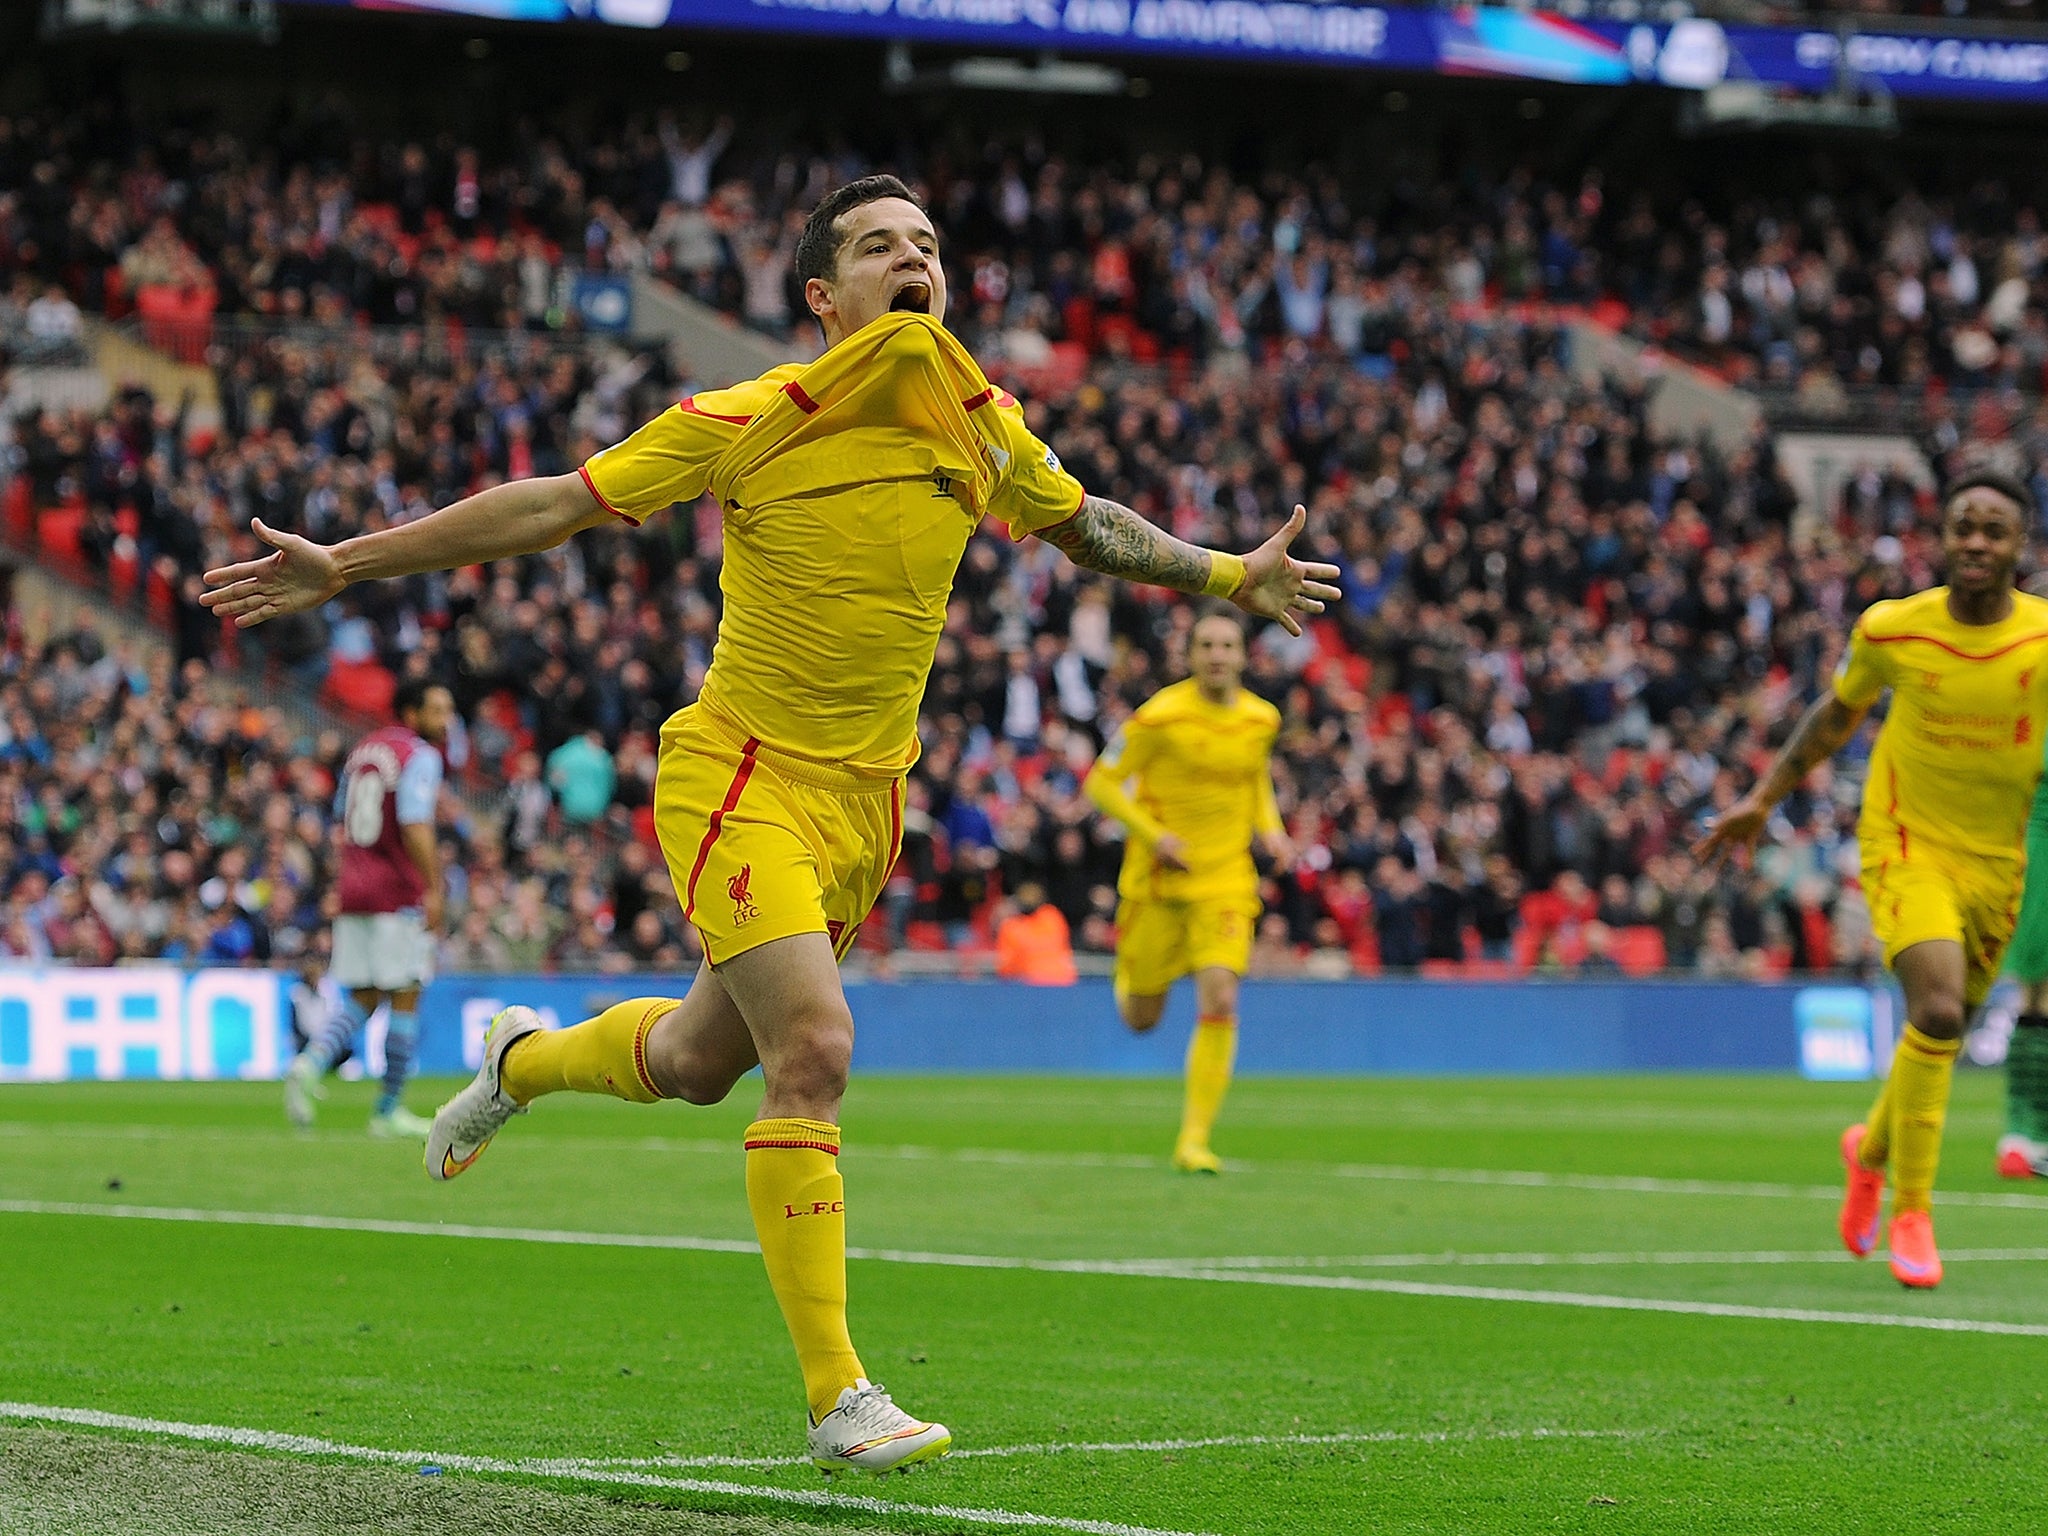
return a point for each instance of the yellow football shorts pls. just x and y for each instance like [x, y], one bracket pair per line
[1929, 896]
[762, 845]
[1158, 942]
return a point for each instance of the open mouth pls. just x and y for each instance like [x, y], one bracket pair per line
[913, 298]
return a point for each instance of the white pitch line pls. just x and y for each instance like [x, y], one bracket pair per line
[856, 1153]
[567, 1470]
[1169, 1266]
[1517, 1178]
[1603, 1303]
[1453, 1260]
[1168, 1269]
[389, 1228]
[1124, 1447]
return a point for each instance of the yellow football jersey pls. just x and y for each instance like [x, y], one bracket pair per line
[1201, 771]
[850, 487]
[1957, 758]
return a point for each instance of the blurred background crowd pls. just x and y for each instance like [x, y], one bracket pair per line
[1568, 634]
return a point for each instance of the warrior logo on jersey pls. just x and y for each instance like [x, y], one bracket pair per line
[743, 908]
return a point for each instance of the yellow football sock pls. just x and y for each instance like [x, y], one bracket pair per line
[1919, 1093]
[1211, 1054]
[799, 1206]
[607, 1054]
[1875, 1150]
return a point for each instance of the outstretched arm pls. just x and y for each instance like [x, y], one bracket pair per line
[1822, 732]
[521, 517]
[1106, 787]
[1268, 583]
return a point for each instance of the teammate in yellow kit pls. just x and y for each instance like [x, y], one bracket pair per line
[1944, 815]
[850, 487]
[1190, 776]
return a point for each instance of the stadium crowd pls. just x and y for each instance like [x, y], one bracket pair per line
[155, 811]
[1917, 286]
[1562, 642]
[1556, 633]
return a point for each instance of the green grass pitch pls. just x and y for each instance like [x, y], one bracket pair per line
[1363, 1318]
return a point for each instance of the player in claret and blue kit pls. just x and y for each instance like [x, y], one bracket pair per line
[391, 904]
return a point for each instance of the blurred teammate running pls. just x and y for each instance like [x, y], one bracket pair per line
[1944, 805]
[391, 904]
[849, 489]
[1190, 777]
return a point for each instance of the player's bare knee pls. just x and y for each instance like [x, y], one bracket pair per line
[1142, 1014]
[1940, 1016]
[1216, 995]
[812, 1058]
[694, 1080]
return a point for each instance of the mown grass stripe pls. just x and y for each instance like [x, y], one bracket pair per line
[1160, 1269]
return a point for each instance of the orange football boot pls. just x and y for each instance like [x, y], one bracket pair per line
[1914, 1261]
[1864, 1199]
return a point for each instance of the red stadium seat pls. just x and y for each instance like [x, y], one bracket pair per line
[17, 512]
[57, 534]
[124, 568]
[1639, 950]
[362, 687]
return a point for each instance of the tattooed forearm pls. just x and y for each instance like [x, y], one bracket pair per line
[1821, 733]
[1110, 538]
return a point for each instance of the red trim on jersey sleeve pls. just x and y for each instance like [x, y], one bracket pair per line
[804, 402]
[624, 517]
[976, 402]
[1048, 528]
[689, 403]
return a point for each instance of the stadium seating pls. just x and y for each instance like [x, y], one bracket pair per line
[1556, 624]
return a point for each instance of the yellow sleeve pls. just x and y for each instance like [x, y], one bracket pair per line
[1108, 782]
[1035, 490]
[1266, 815]
[670, 459]
[1864, 673]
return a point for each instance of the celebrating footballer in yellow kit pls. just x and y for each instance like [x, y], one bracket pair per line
[849, 489]
[1945, 805]
[1189, 776]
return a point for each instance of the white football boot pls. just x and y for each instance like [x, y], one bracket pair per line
[400, 1124]
[867, 1432]
[464, 1126]
[302, 1090]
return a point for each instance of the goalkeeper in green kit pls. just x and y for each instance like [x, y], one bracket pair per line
[2023, 1149]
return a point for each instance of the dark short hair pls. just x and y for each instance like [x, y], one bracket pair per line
[411, 694]
[1217, 608]
[1988, 479]
[817, 248]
